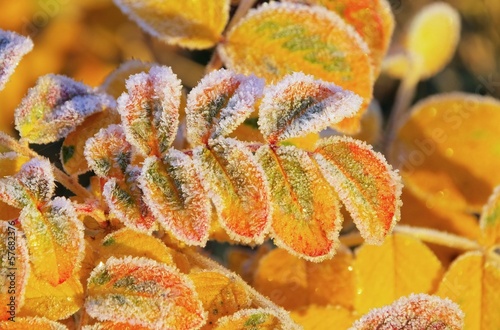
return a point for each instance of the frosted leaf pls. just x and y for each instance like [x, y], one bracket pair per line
[306, 217]
[299, 105]
[417, 311]
[36, 322]
[490, 219]
[367, 185]
[14, 258]
[12, 48]
[219, 103]
[113, 326]
[33, 184]
[55, 239]
[55, 107]
[238, 188]
[108, 153]
[256, 318]
[124, 199]
[143, 292]
[173, 191]
[149, 110]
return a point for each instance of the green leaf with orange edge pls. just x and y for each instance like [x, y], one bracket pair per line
[39, 323]
[306, 217]
[53, 302]
[175, 195]
[149, 110]
[72, 149]
[191, 24]
[54, 236]
[323, 317]
[238, 188]
[472, 281]
[10, 164]
[299, 105]
[490, 219]
[402, 265]
[14, 269]
[254, 319]
[278, 38]
[220, 102]
[294, 283]
[220, 294]
[143, 292]
[372, 19]
[33, 185]
[369, 188]
[433, 149]
[417, 311]
[55, 106]
[13, 47]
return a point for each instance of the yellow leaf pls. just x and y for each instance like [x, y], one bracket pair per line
[39, 323]
[490, 219]
[434, 147]
[10, 164]
[472, 281]
[432, 38]
[292, 282]
[53, 302]
[254, 319]
[221, 295]
[191, 24]
[402, 265]
[114, 84]
[417, 311]
[323, 317]
[279, 38]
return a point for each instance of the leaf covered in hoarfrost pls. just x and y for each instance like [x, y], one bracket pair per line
[36, 322]
[55, 107]
[149, 110]
[490, 219]
[299, 105]
[143, 292]
[114, 326]
[369, 188]
[173, 192]
[254, 319]
[14, 269]
[194, 24]
[417, 311]
[219, 103]
[237, 186]
[108, 153]
[306, 215]
[12, 48]
[32, 185]
[54, 235]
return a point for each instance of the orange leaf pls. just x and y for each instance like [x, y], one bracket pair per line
[238, 188]
[39, 323]
[114, 326]
[434, 147]
[472, 281]
[12, 48]
[366, 184]
[221, 295]
[14, 270]
[417, 311]
[254, 319]
[173, 192]
[191, 24]
[143, 292]
[490, 219]
[306, 215]
[387, 272]
[279, 38]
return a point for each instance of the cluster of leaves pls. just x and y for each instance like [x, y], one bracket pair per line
[239, 159]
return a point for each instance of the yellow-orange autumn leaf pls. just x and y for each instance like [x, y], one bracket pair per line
[417, 311]
[14, 269]
[402, 265]
[254, 319]
[39, 323]
[434, 147]
[114, 84]
[53, 302]
[329, 317]
[490, 219]
[278, 38]
[10, 164]
[192, 24]
[472, 281]
[372, 19]
[143, 292]
[292, 282]
[114, 326]
[220, 294]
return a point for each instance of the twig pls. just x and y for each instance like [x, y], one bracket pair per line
[438, 237]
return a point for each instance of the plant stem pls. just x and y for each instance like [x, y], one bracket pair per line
[67, 181]
[438, 237]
